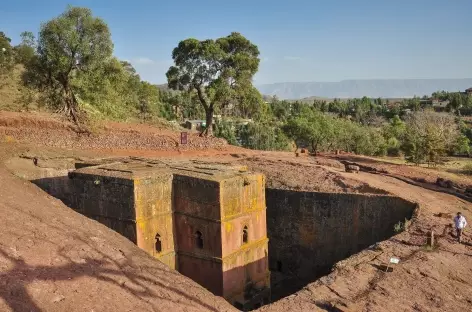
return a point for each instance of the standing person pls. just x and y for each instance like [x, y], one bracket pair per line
[460, 222]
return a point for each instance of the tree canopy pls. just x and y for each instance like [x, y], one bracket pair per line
[70, 67]
[71, 50]
[429, 136]
[219, 71]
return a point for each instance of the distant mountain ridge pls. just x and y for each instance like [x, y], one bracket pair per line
[385, 88]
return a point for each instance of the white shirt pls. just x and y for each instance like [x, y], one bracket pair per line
[460, 222]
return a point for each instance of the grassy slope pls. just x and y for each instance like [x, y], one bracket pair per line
[10, 92]
[10, 100]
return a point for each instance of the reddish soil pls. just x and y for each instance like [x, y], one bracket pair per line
[283, 170]
[310, 174]
[54, 259]
[45, 130]
[59, 260]
[411, 172]
[438, 279]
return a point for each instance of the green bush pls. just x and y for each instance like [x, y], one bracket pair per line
[399, 227]
[262, 136]
[429, 136]
[394, 147]
[226, 130]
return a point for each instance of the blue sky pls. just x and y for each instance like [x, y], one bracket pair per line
[299, 40]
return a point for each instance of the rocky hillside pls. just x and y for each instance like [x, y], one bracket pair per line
[51, 131]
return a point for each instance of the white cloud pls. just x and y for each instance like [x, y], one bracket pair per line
[142, 61]
[265, 59]
[292, 58]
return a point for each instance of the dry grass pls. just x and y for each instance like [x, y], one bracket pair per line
[10, 92]
[466, 168]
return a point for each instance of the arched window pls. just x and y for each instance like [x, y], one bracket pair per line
[199, 239]
[158, 243]
[245, 235]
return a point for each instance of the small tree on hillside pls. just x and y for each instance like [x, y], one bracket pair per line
[362, 109]
[339, 107]
[429, 136]
[310, 128]
[263, 136]
[457, 101]
[321, 130]
[280, 110]
[440, 95]
[71, 47]
[414, 104]
[394, 132]
[148, 100]
[227, 131]
[217, 70]
[26, 50]
[248, 102]
[298, 129]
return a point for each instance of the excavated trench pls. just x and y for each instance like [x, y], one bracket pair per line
[308, 232]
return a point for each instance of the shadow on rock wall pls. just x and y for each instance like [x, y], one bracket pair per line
[309, 232]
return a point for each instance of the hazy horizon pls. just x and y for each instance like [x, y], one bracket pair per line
[367, 79]
[385, 88]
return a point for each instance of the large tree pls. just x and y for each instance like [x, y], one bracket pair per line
[219, 71]
[310, 127]
[249, 102]
[71, 50]
[148, 100]
[26, 50]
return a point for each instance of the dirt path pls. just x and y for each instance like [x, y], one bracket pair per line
[409, 171]
[433, 202]
[438, 279]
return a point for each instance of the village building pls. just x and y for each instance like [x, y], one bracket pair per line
[195, 125]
